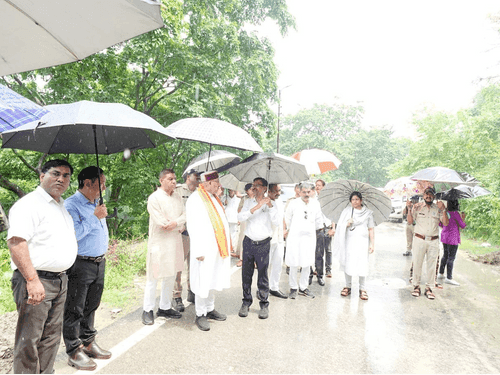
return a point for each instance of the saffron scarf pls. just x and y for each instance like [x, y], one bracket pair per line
[215, 219]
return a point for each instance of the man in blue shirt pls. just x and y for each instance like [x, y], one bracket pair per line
[86, 276]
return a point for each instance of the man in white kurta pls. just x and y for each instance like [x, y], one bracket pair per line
[233, 201]
[210, 247]
[303, 217]
[166, 221]
[277, 250]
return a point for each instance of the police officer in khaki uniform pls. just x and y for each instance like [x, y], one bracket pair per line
[426, 216]
[409, 227]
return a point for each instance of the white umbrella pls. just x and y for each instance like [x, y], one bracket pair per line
[228, 181]
[219, 160]
[214, 132]
[275, 168]
[443, 178]
[317, 161]
[335, 197]
[42, 33]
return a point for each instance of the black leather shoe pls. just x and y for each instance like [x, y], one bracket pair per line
[190, 296]
[202, 323]
[243, 311]
[179, 306]
[306, 293]
[293, 293]
[170, 313]
[81, 361]
[215, 315]
[148, 318]
[278, 293]
[321, 281]
[95, 351]
[264, 313]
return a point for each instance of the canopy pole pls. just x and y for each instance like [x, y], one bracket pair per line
[97, 162]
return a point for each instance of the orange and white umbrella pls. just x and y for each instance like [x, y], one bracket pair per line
[317, 161]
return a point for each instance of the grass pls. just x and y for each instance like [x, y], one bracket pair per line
[473, 246]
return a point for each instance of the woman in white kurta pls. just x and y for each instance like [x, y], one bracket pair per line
[353, 242]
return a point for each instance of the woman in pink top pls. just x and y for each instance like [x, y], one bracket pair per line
[450, 237]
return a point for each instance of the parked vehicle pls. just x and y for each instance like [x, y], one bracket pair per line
[398, 205]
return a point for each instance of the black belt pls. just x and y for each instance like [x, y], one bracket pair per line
[47, 274]
[261, 242]
[185, 233]
[92, 259]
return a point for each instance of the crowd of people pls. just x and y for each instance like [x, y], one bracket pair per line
[58, 250]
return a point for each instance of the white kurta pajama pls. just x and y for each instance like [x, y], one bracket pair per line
[302, 221]
[214, 272]
[163, 246]
[277, 249]
[351, 244]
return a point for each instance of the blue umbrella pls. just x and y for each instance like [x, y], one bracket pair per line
[16, 110]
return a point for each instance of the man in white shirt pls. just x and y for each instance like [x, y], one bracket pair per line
[260, 214]
[43, 246]
[233, 201]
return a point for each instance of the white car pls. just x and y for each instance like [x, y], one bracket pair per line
[398, 205]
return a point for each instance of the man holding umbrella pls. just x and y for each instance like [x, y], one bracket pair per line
[260, 215]
[426, 217]
[86, 276]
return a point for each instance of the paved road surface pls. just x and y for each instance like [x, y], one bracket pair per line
[392, 332]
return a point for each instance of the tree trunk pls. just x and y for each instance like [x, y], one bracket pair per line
[6, 184]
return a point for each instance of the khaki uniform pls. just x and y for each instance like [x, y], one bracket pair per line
[426, 221]
[409, 233]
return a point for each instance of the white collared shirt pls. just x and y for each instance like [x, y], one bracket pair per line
[259, 224]
[48, 229]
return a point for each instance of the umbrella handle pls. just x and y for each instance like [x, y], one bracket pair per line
[97, 162]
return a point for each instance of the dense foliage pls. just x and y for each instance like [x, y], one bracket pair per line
[468, 141]
[203, 63]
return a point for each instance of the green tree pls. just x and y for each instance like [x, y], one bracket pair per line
[203, 63]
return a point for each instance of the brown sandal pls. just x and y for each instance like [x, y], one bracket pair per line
[428, 293]
[363, 295]
[345, 292]
[416, 292]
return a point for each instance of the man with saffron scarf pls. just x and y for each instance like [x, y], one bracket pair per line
[210, 247]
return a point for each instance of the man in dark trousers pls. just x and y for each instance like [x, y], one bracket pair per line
[86, 276]
[43, 246]
[260, 214]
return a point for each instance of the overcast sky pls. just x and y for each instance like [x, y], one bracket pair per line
[393, 56]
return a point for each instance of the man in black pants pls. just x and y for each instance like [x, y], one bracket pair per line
[86, 276]
[260, 214]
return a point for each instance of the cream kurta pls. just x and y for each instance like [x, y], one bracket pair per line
[163, 245]
[213, 272]
[302, 220]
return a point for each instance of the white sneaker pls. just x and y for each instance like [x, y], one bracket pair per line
[441, 276]
[452, 282]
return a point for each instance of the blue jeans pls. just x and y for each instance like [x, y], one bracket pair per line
[450, 252]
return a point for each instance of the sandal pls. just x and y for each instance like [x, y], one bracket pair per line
[239, 263]
[428, 293]
[363, 295]
[345, 292]
[416, 292]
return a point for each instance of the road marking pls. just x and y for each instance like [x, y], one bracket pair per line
[129, 342]
[125, 345]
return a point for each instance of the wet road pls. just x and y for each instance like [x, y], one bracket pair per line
[392, 332]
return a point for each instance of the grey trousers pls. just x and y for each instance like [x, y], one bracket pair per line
[39, 327]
